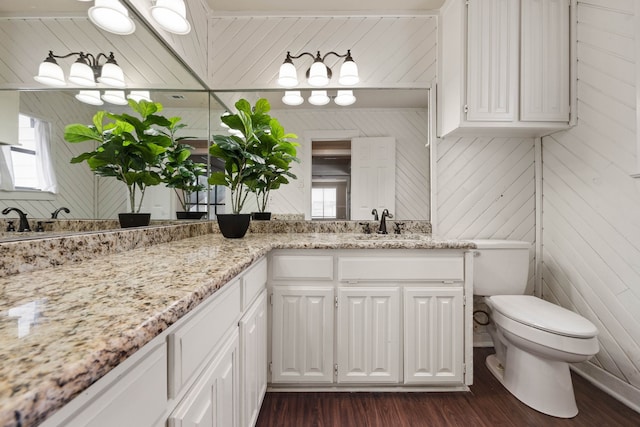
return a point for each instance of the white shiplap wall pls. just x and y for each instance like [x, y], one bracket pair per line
[591, 205]
[246, 52]
[75, 182]
[408, 126]
[486, 189]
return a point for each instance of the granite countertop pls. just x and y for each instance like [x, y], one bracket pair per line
[63, 328]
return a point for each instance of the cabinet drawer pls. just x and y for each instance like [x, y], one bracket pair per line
[288, 267]
[435, 268]
[194, 341]
[253, 282]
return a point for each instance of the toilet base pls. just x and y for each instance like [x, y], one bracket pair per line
[541, 384]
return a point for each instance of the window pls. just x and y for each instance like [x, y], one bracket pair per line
[27, 167]
[323, 203]
[23, 157]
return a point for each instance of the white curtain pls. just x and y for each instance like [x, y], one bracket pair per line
[44, 165]
[6, 169]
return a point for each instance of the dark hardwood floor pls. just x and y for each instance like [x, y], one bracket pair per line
[487, 404]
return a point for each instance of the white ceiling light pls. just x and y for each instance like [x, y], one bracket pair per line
[81, 73]
[318, 74]
[292, 97]
[111, 73]
[318, 97]
[171, 15]
[344, 98]
[288, 76]
[139, 95]
[50, 73]
[348, 71]
[114, 97]
[91, 97]
[112, 16]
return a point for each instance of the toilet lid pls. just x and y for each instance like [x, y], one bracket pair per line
[543, 315]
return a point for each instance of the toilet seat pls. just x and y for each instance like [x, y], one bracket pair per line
[543, 315]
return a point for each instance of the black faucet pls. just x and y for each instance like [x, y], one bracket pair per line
[55, 213]
[24, 222]
[383, 222]
[398, 227]
[374, 212]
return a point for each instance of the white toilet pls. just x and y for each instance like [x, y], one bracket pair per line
[535, 340]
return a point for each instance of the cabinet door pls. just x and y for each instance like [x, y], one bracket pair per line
[492, 56]
[369, 335]
[433, 335]
[302, 334]
[213, 400]
[253, 360]
[545, 57]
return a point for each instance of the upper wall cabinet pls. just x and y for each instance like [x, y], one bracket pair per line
[504, 67]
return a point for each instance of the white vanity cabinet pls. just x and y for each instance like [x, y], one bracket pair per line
[504, 67]
[363, 318]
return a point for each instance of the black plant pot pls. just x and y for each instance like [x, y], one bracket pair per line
[129, 219]
[233, 226]
[190, 215]
[261, 216]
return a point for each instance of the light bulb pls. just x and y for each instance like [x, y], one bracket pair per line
[171, 15]
[292, 97]
[318, 97]
[112, 16]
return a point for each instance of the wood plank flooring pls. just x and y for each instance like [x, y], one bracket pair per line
[487, 404]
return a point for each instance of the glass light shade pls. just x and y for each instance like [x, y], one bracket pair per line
[139, 95]
[348, 74]
[114, 97]
[171, 15]
[318, 97]
[112, 75]
[112, 16]
[50, 74]
[91, 97]
[318, 74]
[292, 97]
[288, 76]
[81, 74]
[344, 98]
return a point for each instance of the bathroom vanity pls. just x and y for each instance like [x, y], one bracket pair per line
[182, 329]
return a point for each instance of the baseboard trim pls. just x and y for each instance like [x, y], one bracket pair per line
[610, 384]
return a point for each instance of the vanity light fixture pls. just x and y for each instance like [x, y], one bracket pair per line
[171, 15]
[91, 97]
[112, 16]
[114, 97]
[139, 95]
[319, 97]
[318, 74]
[84, 72]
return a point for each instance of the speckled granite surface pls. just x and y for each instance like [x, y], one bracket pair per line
[62, 329]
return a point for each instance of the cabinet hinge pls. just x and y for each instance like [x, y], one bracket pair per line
[271, 299]
[335, 369]
[465, 109]
[464, 368]
[336, 302]
[271, 367]
[464, 300]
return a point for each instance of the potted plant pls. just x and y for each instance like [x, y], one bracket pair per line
[130, 149]
[182, 174]
[277, 154]
[237, 153]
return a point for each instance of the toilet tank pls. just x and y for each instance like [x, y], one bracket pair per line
[500, 267]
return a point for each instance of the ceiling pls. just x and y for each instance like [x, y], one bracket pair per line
[309, 6]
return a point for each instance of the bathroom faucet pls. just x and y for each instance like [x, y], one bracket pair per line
[383, 222]
[55, 213]
[374, 212]
[24, 223]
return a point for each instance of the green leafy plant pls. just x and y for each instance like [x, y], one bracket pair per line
[277, 154]
[256, 155]
[181, 173]
[131, 149]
